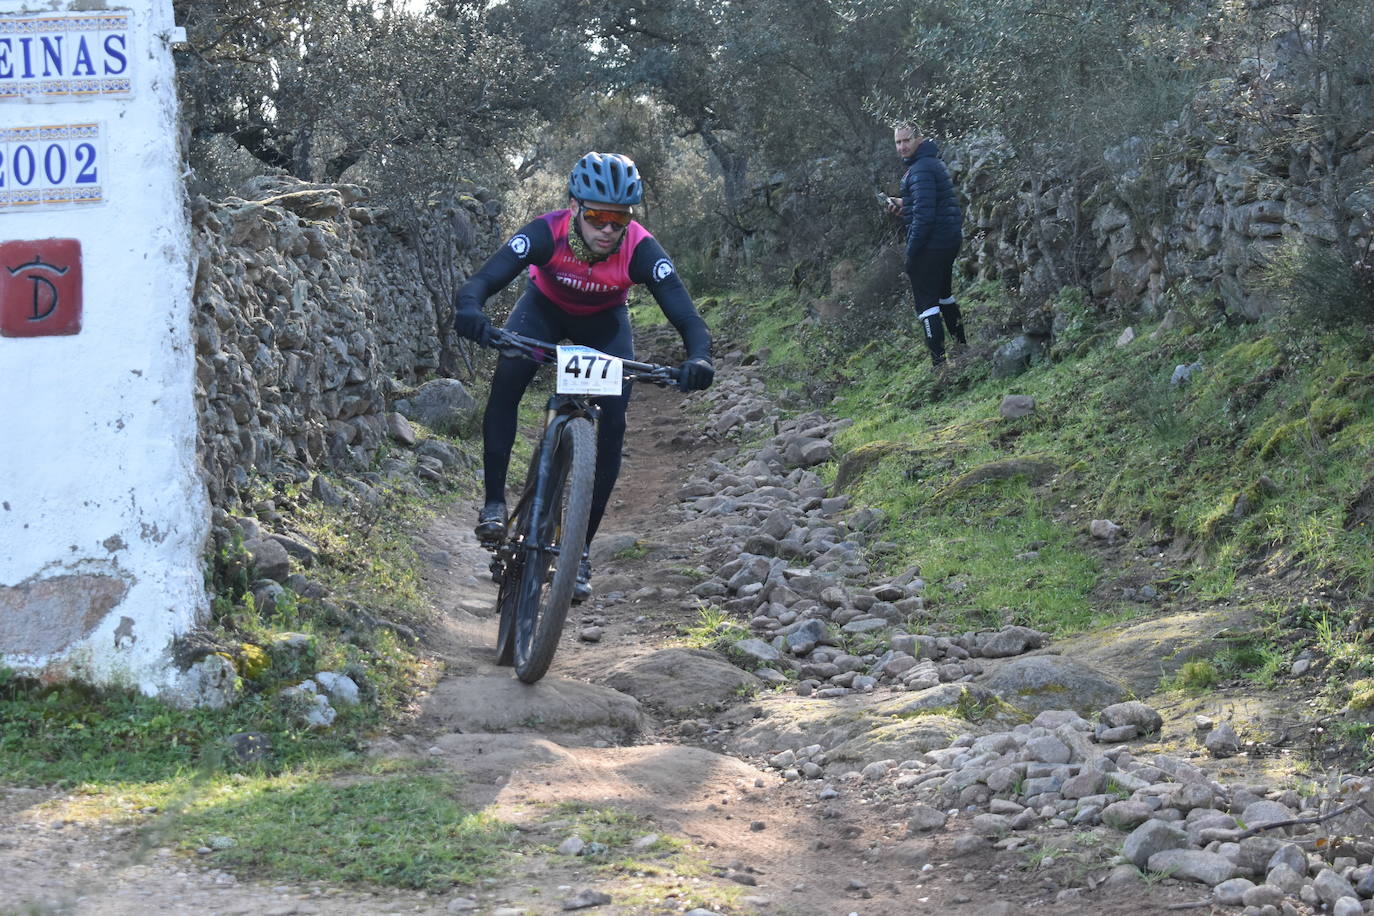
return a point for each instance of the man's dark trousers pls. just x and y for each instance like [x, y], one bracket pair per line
[931, 271]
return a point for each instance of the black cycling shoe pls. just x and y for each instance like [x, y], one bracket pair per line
[491, 524]
[583, 589]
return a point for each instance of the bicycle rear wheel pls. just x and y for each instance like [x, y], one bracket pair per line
[556, 539]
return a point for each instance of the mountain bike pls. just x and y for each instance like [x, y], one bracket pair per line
[535, 565]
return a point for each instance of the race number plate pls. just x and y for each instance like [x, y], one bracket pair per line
[582, 370]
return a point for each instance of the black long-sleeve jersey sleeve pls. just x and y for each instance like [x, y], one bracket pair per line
[651, 266]
[533, 244]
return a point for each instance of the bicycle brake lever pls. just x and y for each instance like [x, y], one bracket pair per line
[664, 377]
[513, 346]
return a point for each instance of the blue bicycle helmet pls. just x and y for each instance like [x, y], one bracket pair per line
[607, 178]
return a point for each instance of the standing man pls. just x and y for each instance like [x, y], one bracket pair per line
[934, 232]
[581, 262]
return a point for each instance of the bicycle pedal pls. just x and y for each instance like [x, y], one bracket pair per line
[497, 569]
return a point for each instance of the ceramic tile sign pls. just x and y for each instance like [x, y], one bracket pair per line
[52, 165]
[40, 288]
[65, 56]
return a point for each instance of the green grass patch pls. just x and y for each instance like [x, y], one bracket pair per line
[635, 551]
[405, 831]
[304, 805]
[1361, 695]
[990, 556]
[1257, 660]
[1196, 676]
[1263, 452]
[63, 735]
[310, 809]
[611, 827]
[1254, 660]
[714, 629]
[369, 555]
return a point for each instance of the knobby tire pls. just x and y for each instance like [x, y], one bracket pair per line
[542, 603]
[508, 591]
[506, 603]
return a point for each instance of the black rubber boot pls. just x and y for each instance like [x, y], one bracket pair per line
[954, 321]
[932, 326]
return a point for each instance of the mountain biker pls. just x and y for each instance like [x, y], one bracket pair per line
[582, 262]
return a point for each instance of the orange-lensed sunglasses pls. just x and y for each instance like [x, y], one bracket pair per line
[600, 219]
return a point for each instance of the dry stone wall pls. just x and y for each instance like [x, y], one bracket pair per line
[310, 307]
[1207, 201]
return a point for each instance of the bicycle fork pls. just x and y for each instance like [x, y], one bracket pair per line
[560, 409]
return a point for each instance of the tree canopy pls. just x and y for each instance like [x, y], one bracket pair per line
[721, 100]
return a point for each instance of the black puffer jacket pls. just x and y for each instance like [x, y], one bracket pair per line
[930, 206]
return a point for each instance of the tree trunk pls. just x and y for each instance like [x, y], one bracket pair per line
[734, 168]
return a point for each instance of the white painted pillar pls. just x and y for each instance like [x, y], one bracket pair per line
[103, 515]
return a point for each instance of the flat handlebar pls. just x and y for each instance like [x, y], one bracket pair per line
[516, 345]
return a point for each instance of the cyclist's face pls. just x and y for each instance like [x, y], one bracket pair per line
[906, 141]
[600, 239]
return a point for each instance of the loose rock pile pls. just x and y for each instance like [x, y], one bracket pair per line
[797, 570]
[1173, 818]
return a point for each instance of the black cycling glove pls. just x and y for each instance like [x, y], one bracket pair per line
[696, 374]
[473, 325]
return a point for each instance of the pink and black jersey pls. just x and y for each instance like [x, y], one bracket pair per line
[580, 288]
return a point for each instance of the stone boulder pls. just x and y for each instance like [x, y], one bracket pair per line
[679, 680]
[1016, 356]
[791, 721]
[1034, 683]
[945, 697]
[313, 203]
[269, 557]
[903, 739]
[442, 404]
[1016, 405]
[1151, 838]
[553, 706]
[1132, 712]
[1192, 865]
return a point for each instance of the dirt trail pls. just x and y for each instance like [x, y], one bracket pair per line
[735, 813]
[798, 852]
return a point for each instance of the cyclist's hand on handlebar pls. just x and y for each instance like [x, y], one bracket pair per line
[696, 374]
[474, 326]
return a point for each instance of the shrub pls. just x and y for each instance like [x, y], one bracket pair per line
[1324, 288]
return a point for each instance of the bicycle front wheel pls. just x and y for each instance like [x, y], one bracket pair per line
[560, 534]
[507, 601]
